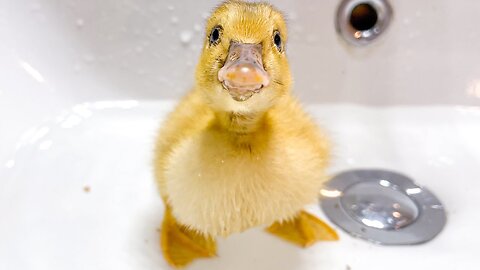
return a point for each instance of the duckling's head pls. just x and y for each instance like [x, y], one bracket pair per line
[243, 66]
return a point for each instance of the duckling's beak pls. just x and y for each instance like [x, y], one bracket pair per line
[243, 74]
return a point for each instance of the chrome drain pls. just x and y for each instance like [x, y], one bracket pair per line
[361, 21]
[383, 207]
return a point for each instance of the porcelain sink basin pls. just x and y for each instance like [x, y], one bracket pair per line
[85, 85]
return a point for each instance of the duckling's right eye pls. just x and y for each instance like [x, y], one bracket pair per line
[215, 35]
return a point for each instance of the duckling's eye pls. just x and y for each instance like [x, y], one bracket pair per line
[277, 40]
[215, 35]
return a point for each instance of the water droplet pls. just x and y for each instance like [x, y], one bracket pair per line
[292, 16]
[197, 27]
[186, 37]
[80, 23]
[298, 29]
[174, 19]
[77, 67]
[82, 110]
[71, 121]
[137, 32]
[10, 164]
[45, 145]
[311, 38]
[199, 174]
[88, 58]
[194, 47]
[35, 7]
[171, 7]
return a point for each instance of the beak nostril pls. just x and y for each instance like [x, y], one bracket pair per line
[234, 56]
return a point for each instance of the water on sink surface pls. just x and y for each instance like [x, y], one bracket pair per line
[379, 207]
[79, 192]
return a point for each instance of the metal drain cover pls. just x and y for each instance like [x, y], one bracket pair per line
[383, 207]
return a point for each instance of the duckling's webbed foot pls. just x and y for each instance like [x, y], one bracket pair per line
[181, 246]
[304, 230]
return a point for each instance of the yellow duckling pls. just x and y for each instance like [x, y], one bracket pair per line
[239, 151]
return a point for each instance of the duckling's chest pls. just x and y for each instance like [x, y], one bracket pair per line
[219, 188]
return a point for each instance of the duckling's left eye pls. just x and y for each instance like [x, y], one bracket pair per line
[277, 40]
[215, 35]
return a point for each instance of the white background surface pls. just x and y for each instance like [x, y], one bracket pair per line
[55, 54]
[50, 222]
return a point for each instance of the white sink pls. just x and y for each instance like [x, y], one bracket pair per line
[84, 86]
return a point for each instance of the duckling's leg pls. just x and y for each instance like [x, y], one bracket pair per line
[304, 230]
[180, 246]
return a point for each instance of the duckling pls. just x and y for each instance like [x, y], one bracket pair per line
[238, 151]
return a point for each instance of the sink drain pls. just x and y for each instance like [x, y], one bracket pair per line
[361, 21]
[383, 207]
